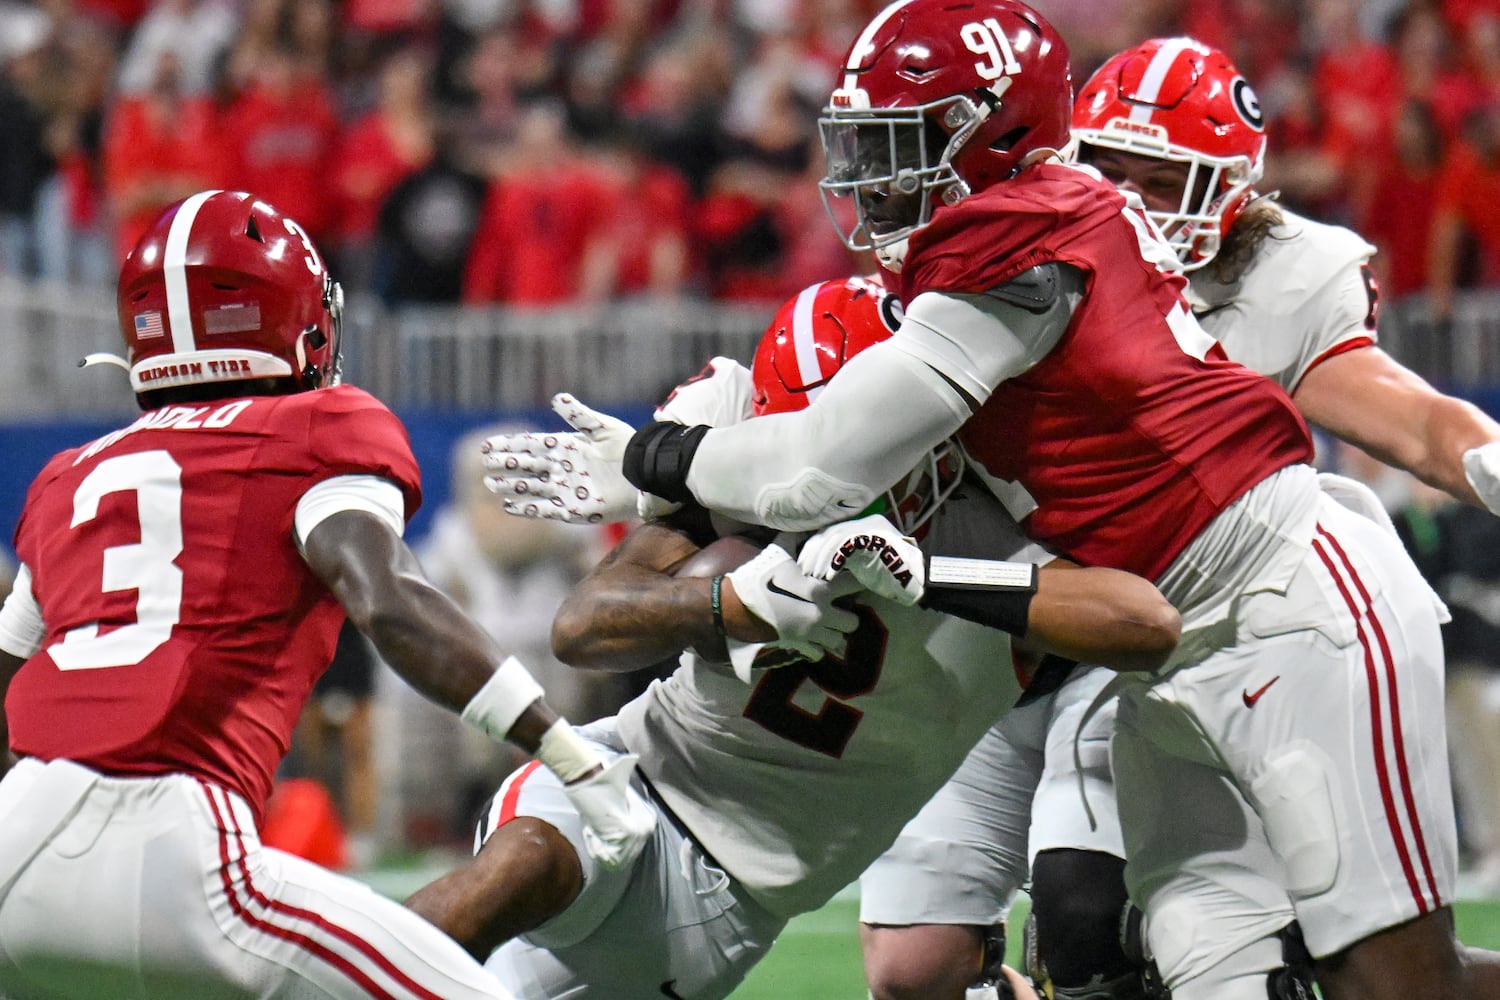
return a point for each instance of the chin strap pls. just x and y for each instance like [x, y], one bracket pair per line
[89, 360]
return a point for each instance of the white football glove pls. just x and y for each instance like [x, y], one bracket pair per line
[872, 551]
[1482, 469]
[617, 820]
[573, 477]
[799, 607]
[718, 396]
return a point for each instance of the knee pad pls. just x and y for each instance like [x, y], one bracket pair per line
[1077, 902]
[1140, 982]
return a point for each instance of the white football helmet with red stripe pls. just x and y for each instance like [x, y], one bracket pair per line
[223, 287]
[816, 333]
[1180, 100]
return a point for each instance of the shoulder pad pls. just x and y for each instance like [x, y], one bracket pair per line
[1035, 290]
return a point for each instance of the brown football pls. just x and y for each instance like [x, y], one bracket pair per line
[720, 556]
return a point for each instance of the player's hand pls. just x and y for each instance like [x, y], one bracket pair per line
[617, 820]
[718, 396]
[1482, 469]
[573, 477]
[799, 607]
[872, 551]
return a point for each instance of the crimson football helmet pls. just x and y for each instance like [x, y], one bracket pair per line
[814, 335]
[938, 99]
[223, 287]
[1179, 100]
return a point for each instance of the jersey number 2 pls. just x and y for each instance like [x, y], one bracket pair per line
[827, 730]
[147, 566]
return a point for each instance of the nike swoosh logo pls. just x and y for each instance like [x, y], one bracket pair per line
[1250, 698]
[773, 588]
[668, 991]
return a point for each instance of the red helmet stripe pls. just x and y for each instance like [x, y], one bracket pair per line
[1156, 73]
[174, 270]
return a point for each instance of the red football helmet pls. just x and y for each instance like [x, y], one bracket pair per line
[1177, 99]
[223, 287]
[814, 335]
[938, 99]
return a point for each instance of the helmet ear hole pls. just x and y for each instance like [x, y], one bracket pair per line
[252, 230]
[1008, 141]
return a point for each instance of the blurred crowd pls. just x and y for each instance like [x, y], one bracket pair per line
[537, 152]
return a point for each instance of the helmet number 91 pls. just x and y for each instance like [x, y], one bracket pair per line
[312, 260]
[986, 38]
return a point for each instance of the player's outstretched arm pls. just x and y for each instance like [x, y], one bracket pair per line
[1369, 399]
[1099, 615]
[440, 651]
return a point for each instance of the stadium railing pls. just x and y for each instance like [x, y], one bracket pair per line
[488, 359]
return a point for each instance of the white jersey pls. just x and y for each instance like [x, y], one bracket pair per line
[796, 783]
[1304, 297]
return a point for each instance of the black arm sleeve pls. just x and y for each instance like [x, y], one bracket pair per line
[658, 457]
[1005, 610]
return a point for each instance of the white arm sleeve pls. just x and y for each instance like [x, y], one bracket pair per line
[21, 628]
[800, 471]
[979, 341]
[880, 415]
[380, 497]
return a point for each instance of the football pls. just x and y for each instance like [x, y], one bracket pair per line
[721, 556]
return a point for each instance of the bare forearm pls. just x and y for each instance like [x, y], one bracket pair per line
[1103, 616]
[631, 618]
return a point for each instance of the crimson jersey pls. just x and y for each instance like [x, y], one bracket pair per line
[1126, 442]
[184, 629]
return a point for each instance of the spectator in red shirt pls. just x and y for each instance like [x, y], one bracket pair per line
[159, 147]
[641, 246]
[385, 146]
[1398, 212]
[284, 129]
[539, 217]
[1468, 201]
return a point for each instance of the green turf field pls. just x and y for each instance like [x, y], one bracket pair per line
[817, 957]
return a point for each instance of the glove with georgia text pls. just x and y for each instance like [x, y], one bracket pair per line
[617, 820]
[800, 608]
[572, 477]
[871, 550]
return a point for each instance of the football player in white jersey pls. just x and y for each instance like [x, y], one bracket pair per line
[1175, 122]
[778, 777]
[1106, 418]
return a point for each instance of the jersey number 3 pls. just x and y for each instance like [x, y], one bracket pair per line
[826, 731]
[146, 567]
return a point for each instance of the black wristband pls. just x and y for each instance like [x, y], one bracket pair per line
[658, 457]
[996, 594]
[715, 597]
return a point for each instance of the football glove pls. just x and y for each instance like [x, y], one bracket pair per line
[873, 552]
[799, 607]
[1482, 469]
[617, 820]
[573, 477]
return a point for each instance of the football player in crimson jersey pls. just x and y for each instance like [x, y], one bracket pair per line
[182, 583]
[778, 778]
[1175, 122]
[1292, 764]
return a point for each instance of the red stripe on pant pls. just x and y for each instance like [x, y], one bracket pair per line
[1366, 623]
[226, 820]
